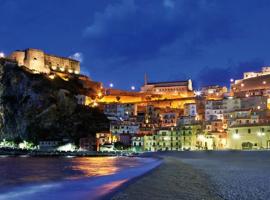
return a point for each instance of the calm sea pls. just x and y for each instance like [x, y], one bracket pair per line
[67, 178]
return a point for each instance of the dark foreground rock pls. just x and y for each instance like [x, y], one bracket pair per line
[34, 107]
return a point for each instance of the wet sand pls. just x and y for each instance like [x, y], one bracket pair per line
[172, 180]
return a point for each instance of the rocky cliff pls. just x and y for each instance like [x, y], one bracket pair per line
[34, 107]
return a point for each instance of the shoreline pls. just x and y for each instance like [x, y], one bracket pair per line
[172, 179]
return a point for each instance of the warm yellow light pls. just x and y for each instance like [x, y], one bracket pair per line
[54, 67]
[76, 72]
[62, 69]
[70, 70]
[242, 84]
[52, 76]
[201, 137]
[264, 82]
[99, 94]
[236, 136]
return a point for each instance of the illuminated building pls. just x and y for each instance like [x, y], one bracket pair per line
[190, 109]
[169, 117]
[150, 142]
[169, 89]
[168, 139]
[124, 127]
[137, 142]
[252, 84]
[213, 110]
[40, 62]
[188, 135]
[214, 91]
[104, 138]
[249, 136]
[124, 110]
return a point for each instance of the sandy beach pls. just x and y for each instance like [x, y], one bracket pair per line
[172, 180]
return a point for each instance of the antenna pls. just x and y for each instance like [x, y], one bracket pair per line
[145, 79]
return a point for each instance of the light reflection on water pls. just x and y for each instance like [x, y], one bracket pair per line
[16, 170]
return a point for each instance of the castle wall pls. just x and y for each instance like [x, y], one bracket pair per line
[35, 60]
[18, 56]
[38, 61]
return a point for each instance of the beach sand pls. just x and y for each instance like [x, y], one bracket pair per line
[172, 180]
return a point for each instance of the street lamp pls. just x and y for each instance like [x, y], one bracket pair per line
[132, 87]
[231, 80]
[111, 85]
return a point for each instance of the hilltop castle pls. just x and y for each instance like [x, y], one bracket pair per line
[40, 62]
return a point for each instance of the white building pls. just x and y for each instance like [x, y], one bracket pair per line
[214, 110]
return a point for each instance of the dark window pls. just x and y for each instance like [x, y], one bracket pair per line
[249, 131]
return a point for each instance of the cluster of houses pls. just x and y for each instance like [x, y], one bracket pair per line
[214, 118]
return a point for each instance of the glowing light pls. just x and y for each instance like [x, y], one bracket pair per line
[242, 84]
[198, 93]
[99, 94]
[54, 67]
[264, 82]
[62, 69]
[76, 72]
[67, 147]
[231, 80]
[111, 85]
[236, 136]
[201, 137]
[247, 95]
[258, 107]
[132, 87]
[52, 76]
[95, 104]
[70, 70]
[2, 55]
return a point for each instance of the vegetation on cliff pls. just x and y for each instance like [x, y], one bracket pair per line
[34, 107]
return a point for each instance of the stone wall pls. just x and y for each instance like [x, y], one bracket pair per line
[38, 61]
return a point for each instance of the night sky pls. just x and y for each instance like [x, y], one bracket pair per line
[209, 41]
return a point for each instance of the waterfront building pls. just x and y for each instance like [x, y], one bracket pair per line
[48, 145]
[168, 139]
[188, 136]
[104, 138]
[249, 136]
[88, 143]
[150, 142]
[40, 62]
[137, 142]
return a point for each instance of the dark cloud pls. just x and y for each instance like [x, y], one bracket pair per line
[222, 76]
[134, 30]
